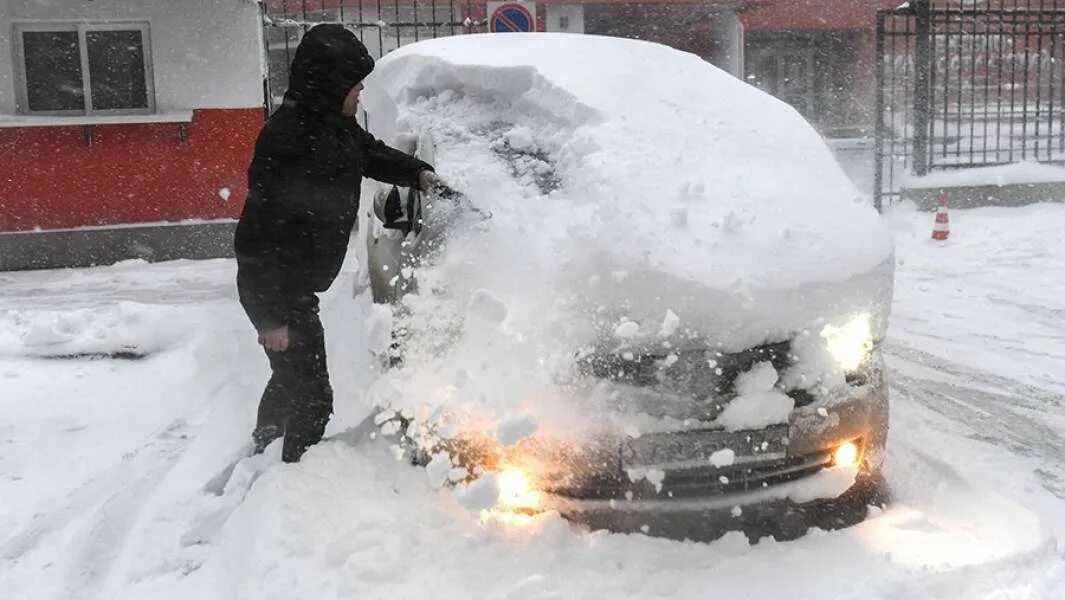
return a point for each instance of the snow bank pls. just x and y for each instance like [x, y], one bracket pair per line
[1014, 174]
[121, 328]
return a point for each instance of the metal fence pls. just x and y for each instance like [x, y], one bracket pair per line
[967, 83]
[382, 25]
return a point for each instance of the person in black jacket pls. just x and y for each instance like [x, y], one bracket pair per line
[290, 241]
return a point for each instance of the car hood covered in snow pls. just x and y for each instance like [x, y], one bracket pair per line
[640, 198]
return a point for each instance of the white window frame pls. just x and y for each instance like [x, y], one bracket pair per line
[22, 105]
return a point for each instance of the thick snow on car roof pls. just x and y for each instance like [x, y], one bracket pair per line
[661, 158]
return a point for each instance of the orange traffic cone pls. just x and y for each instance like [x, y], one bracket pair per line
[941, 230]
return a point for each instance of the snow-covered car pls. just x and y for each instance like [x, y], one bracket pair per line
[655, 306]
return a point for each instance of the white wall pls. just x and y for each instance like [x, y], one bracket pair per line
[574, 13]
[205, 53]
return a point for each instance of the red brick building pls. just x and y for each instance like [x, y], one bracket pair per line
[126, 128]
[816, 54]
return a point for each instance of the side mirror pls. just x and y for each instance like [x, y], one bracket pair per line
[389, 209]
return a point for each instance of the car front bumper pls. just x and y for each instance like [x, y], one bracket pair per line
[803, 488]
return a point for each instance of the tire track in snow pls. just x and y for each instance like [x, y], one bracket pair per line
[139, 472]
[998, 410]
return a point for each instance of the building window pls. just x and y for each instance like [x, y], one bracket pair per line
[84, 69]
[563, 22]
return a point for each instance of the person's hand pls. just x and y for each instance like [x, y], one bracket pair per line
[427, 179]
[275, 340]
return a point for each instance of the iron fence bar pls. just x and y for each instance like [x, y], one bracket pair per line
[380, 31]
[288, 48]
[1061, 143]
[878, 139]
[961, 82]
[297, 24]
[972, 86]
[1013, 85]
[1050, 92]
[987, 82]
[432, 15]
[362, 31]
[907, 97]
[398, 28]
[451, 4]
[1055, 63]
[268, 95]
[1024, 91]
[999, 93]
[1038, 82]
[946, 87]
[923, 76]
[891, 155]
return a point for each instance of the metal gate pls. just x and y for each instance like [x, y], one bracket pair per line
[382, 25]
[967, 83]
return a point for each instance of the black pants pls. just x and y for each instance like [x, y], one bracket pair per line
[298, 399]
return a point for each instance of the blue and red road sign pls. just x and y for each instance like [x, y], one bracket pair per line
[511, 17]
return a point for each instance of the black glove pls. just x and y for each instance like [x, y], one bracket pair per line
[393, 211]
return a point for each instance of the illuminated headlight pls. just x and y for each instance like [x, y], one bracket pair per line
[846, 455]
[516, 492]
[851, 343]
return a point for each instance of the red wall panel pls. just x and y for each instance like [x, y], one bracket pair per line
[805, 15]
[50, 178]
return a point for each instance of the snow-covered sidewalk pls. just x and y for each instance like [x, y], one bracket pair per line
[102, 461]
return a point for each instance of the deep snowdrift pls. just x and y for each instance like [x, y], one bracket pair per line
[103, 461]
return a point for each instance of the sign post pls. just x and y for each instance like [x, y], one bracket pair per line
[509, 17]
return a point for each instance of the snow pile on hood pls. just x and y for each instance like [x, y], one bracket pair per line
[122, 328]
[641, 200]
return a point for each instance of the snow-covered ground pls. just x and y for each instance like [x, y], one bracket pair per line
[103, 461]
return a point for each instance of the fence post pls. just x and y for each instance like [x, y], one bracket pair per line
[922, 85]
[878, 152]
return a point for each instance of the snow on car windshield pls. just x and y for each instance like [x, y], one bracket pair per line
[660, 201]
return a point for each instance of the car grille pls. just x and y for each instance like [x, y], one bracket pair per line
[707, 377]
[700, 482]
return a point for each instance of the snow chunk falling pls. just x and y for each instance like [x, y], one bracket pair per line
[627, 330]
[378, 328]
[484, 305]
[759, 404]
[512, 431]
[669, 324]
[439, 469]
[656, 477]
[653, 476]
[723, 458]
[479, 495]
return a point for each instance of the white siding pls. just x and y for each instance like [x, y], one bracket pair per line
[205, 53]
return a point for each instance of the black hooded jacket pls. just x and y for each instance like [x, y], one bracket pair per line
[303, 182]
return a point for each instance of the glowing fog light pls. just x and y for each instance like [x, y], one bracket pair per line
[516, 492]
[850, 343]
[846, 455]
